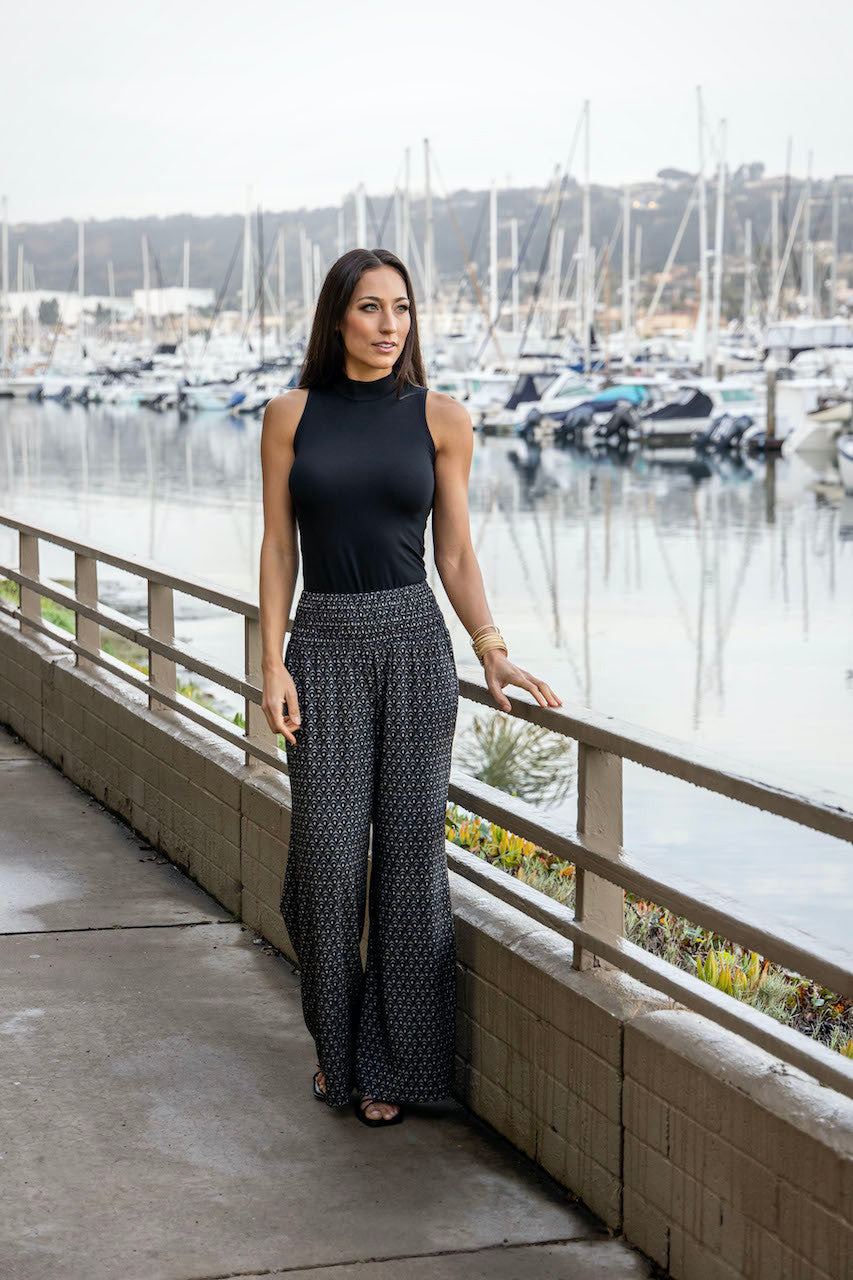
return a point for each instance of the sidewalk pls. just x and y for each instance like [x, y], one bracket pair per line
[157, 1115]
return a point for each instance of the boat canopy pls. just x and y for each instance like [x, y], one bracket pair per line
[530, 386]
[692, 403]
[636, 394]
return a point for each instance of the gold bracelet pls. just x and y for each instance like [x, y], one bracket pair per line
[487, 626]
[498, 644]
[484, 643]
[487, 641]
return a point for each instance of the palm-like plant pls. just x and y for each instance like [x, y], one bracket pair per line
[522, 759]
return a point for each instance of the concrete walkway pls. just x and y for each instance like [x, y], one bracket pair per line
[157, 1114]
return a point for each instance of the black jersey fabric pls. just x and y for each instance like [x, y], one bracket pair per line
[362, 484]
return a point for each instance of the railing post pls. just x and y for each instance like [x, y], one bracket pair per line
[257, 729]
[86, 630]
[598, 904]
[162, 672]
[28, 561]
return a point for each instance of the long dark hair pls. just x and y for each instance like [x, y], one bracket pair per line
[325, 356]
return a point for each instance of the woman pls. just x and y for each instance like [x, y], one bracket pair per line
[366, 695]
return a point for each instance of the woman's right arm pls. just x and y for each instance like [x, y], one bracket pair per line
[279, 558]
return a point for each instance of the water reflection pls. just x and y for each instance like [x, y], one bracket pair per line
[703, 597]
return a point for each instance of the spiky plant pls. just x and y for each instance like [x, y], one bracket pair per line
[521, 759]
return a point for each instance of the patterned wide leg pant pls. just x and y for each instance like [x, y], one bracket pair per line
[378, 696]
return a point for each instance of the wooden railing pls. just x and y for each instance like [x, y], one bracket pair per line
[604, 867]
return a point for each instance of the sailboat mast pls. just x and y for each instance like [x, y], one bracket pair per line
[513, 242]
[111, 285]
[556, 280]
[398, 222]
[305, 267]
[833, 276]
[361, 216]
[626, 277]
[774, 249]
[247, 263]
[4, 297]
[579, 293]
[493, 253]
[407, 206]
[584, 283]
[146, 294]
[261, 281]
[783, 265]
[590, 306]
[31, 285]
[702, 318]
[807, 235]
[81, 286]
[719, 234]
[281, 333]
[316, 272]
[638, 255]
[428, 249]
[747, 271]
[186, 295]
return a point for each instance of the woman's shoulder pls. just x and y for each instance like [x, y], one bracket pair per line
[447, 414]
[283, 413]
[449, 424]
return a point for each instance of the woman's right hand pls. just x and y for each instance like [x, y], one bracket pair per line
[280, 693]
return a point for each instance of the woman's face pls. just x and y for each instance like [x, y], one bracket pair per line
[375, 324]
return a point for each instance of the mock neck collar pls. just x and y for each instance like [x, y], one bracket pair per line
[358, 389]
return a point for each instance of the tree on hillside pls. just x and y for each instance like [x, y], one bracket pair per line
[675, 175]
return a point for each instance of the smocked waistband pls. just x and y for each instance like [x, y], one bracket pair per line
[386, 614]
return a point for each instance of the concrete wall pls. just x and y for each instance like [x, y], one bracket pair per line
[735, 1164]
[714, 1158]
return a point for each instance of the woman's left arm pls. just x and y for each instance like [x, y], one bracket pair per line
[453, 434]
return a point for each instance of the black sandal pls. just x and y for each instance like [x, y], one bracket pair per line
[364, 1102]
[318, 1092]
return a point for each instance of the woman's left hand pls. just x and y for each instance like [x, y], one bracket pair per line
[500, 671]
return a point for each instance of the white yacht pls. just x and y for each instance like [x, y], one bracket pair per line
[22, 386]
[786, 339]
[833, 409]
[691, 406]
[486, 391]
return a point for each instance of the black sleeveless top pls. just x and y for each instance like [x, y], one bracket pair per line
[362, 484]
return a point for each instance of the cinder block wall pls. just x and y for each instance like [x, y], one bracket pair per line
[540, 1045]
[735, 1164]
[715, 1159]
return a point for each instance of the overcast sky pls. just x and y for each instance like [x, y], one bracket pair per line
[157, 108]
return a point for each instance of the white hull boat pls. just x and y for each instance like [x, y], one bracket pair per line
[23, 386]
[208, 398]
[840, 410]
[811, 436]
[692, 406]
